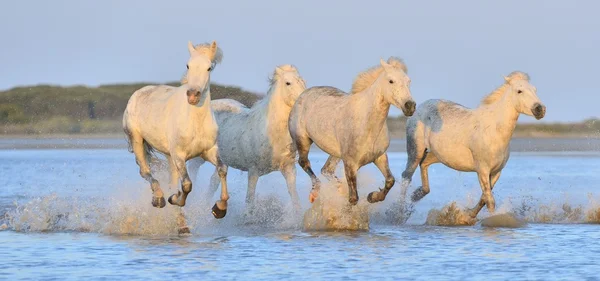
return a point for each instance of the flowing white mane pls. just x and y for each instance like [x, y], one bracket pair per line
[497, 94]
[366, 78]
[205, 49]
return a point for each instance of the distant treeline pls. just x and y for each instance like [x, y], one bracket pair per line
[47, 109]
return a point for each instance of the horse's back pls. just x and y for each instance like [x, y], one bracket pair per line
[225, 108]
[315, 115]
[445, 128]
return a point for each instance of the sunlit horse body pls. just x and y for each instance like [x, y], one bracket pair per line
[352, 127]
[177, 122]
[257, 139]
[469, 140]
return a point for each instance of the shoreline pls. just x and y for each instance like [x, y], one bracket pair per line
[117, 141]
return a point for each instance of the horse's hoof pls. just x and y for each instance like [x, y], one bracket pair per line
[183, 230]
[158, 202]
[173, 201]
[218, 213]
[374, 197]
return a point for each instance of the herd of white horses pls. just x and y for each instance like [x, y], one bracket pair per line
[189, 128]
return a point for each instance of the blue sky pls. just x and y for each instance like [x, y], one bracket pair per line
[455, 50]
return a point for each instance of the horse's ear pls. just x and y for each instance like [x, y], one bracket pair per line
[213, 50]
[279, 70]
[386, 66]
[506, 79]
[191, 48]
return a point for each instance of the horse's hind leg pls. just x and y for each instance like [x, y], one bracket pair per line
[415, 148]
[139, 150]
[383, 165]
[303, 146]
[420, 192]
[219, 210]
[328, 169]
[482, 201]
[350, 170]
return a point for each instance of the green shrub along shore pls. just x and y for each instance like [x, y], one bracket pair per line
[81, 110]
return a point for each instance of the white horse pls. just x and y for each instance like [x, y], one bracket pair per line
[257, 139]
[179, 123]
[352, 127]
[469, 140]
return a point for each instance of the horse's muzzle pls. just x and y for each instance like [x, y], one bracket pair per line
[409, 108]
[193, 96]
[539, 111]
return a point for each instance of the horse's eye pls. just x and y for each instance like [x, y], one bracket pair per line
[187, 66]
[391, 81]
[288, 83]
[209, 69]
[519, 91]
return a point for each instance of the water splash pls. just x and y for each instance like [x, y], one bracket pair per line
[449, 215]
[331, 211]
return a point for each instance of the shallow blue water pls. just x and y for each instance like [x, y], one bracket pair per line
[86, 214]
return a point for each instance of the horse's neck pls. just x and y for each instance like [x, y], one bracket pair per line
[503, 116]
[277, 112]
[202, 109]
[371, 108]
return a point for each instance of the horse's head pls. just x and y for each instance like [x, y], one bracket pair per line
[203, 59]
[524, 95]
[396, 85]
[288, 83]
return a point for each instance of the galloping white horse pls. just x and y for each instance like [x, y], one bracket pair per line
[257, 139]
[469, 140]
[179, 123]
[352, 127]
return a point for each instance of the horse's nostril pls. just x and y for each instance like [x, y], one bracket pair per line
[410, 105]
[191, 92]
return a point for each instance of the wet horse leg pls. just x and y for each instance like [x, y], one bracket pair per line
[303, 146]
[179, 170]
[174, 178]
[383, 165]
[420, 192]
[328, 169]
[475, 210]
[186, 184]
[158, 199]
[350, 170]
[289, 173]
[252, 181]
[219, 210]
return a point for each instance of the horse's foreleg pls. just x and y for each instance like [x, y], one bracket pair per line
[420, 192]
[158, 199]
[475, 210]
[252, 181]
[289, 173]
[328, 169]
[219, 210]
[383, 165]
[486, 194]
[303, 148]
[186, 184]
[350, 171]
